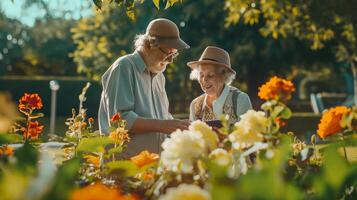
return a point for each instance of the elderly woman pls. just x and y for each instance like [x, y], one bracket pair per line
[214, 73]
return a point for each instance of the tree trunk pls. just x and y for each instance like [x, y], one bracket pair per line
[351, 12]
[354, 73]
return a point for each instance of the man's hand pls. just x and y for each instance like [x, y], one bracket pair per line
[142, 125]
[169, 126]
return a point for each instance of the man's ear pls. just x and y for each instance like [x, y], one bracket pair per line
[152, 42]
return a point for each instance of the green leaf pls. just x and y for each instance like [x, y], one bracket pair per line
[96, 144]
[335, 167]
[36, 115]
[27, 157]
[10, 138]
[156, 3]
[277, 110]
[66, 178]
[170, 3]
[118, 149]
[286, 113]
[98, 3]
[124, 166]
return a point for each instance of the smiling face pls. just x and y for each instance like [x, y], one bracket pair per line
[211, 82]
[161, 56]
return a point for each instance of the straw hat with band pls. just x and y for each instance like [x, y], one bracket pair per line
[166, 32]
[213, 55]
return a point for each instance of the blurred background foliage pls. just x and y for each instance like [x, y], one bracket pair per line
[61, 45]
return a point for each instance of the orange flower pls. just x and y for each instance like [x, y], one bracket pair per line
[276, 88]
[120, 135]
[95, 160]
[144, 158]
[33, 130]
[330, 121]
[6, 150]
[91, 120]
[280, 122]
[99, 191]
[116, 118]
[30, 101]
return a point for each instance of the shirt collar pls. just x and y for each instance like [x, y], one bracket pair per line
[139, 61]
[221, 99]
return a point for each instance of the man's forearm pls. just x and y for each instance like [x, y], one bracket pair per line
[142, 125]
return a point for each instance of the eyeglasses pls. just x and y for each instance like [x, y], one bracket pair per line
[168, 55]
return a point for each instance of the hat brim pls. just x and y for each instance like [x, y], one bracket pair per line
[176, 43]
[195, 64]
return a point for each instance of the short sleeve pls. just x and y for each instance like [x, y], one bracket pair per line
[244, 104]
[119, 92]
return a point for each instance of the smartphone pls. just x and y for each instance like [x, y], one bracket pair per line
[214, 123]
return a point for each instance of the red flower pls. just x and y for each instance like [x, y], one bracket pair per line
[33, 130]
[280, 122]
[30, 101]
[116, 118]
[91, 120]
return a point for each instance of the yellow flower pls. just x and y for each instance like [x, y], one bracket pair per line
[144, 158]
[119, 135]
[6, 150]
[276, 88]
[249, 129]
[330, 121]
[186, 192]
[209, 136]
[95, 160]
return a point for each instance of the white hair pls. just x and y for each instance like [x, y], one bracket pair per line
[226, 75]
[143, 40]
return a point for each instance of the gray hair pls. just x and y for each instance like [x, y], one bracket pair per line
[142, 41]
[227, 75]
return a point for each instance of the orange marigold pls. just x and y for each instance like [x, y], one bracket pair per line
[144, 158]
[119, 135]
[33, 130]
[95, 160]
[6, 150]
[276, 88]
[30, 101]
[99, 191]
[330, 121]
[116, 118]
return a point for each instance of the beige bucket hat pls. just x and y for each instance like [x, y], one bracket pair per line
[166, 32]
[213, 55]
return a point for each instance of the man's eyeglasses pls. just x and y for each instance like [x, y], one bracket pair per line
[168, 55]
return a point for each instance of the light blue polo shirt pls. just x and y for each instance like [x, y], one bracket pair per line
[129, 88]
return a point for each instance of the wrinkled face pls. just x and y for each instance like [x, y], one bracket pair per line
[211, 82]
[162, 57]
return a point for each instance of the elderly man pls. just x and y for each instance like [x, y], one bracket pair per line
[135, 86]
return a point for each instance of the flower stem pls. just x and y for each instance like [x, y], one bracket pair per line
[344, 148]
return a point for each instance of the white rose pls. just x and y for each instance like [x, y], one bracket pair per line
[186, 192]
[249, 129]
[181, 151]
[220, 157]
[209, 136]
